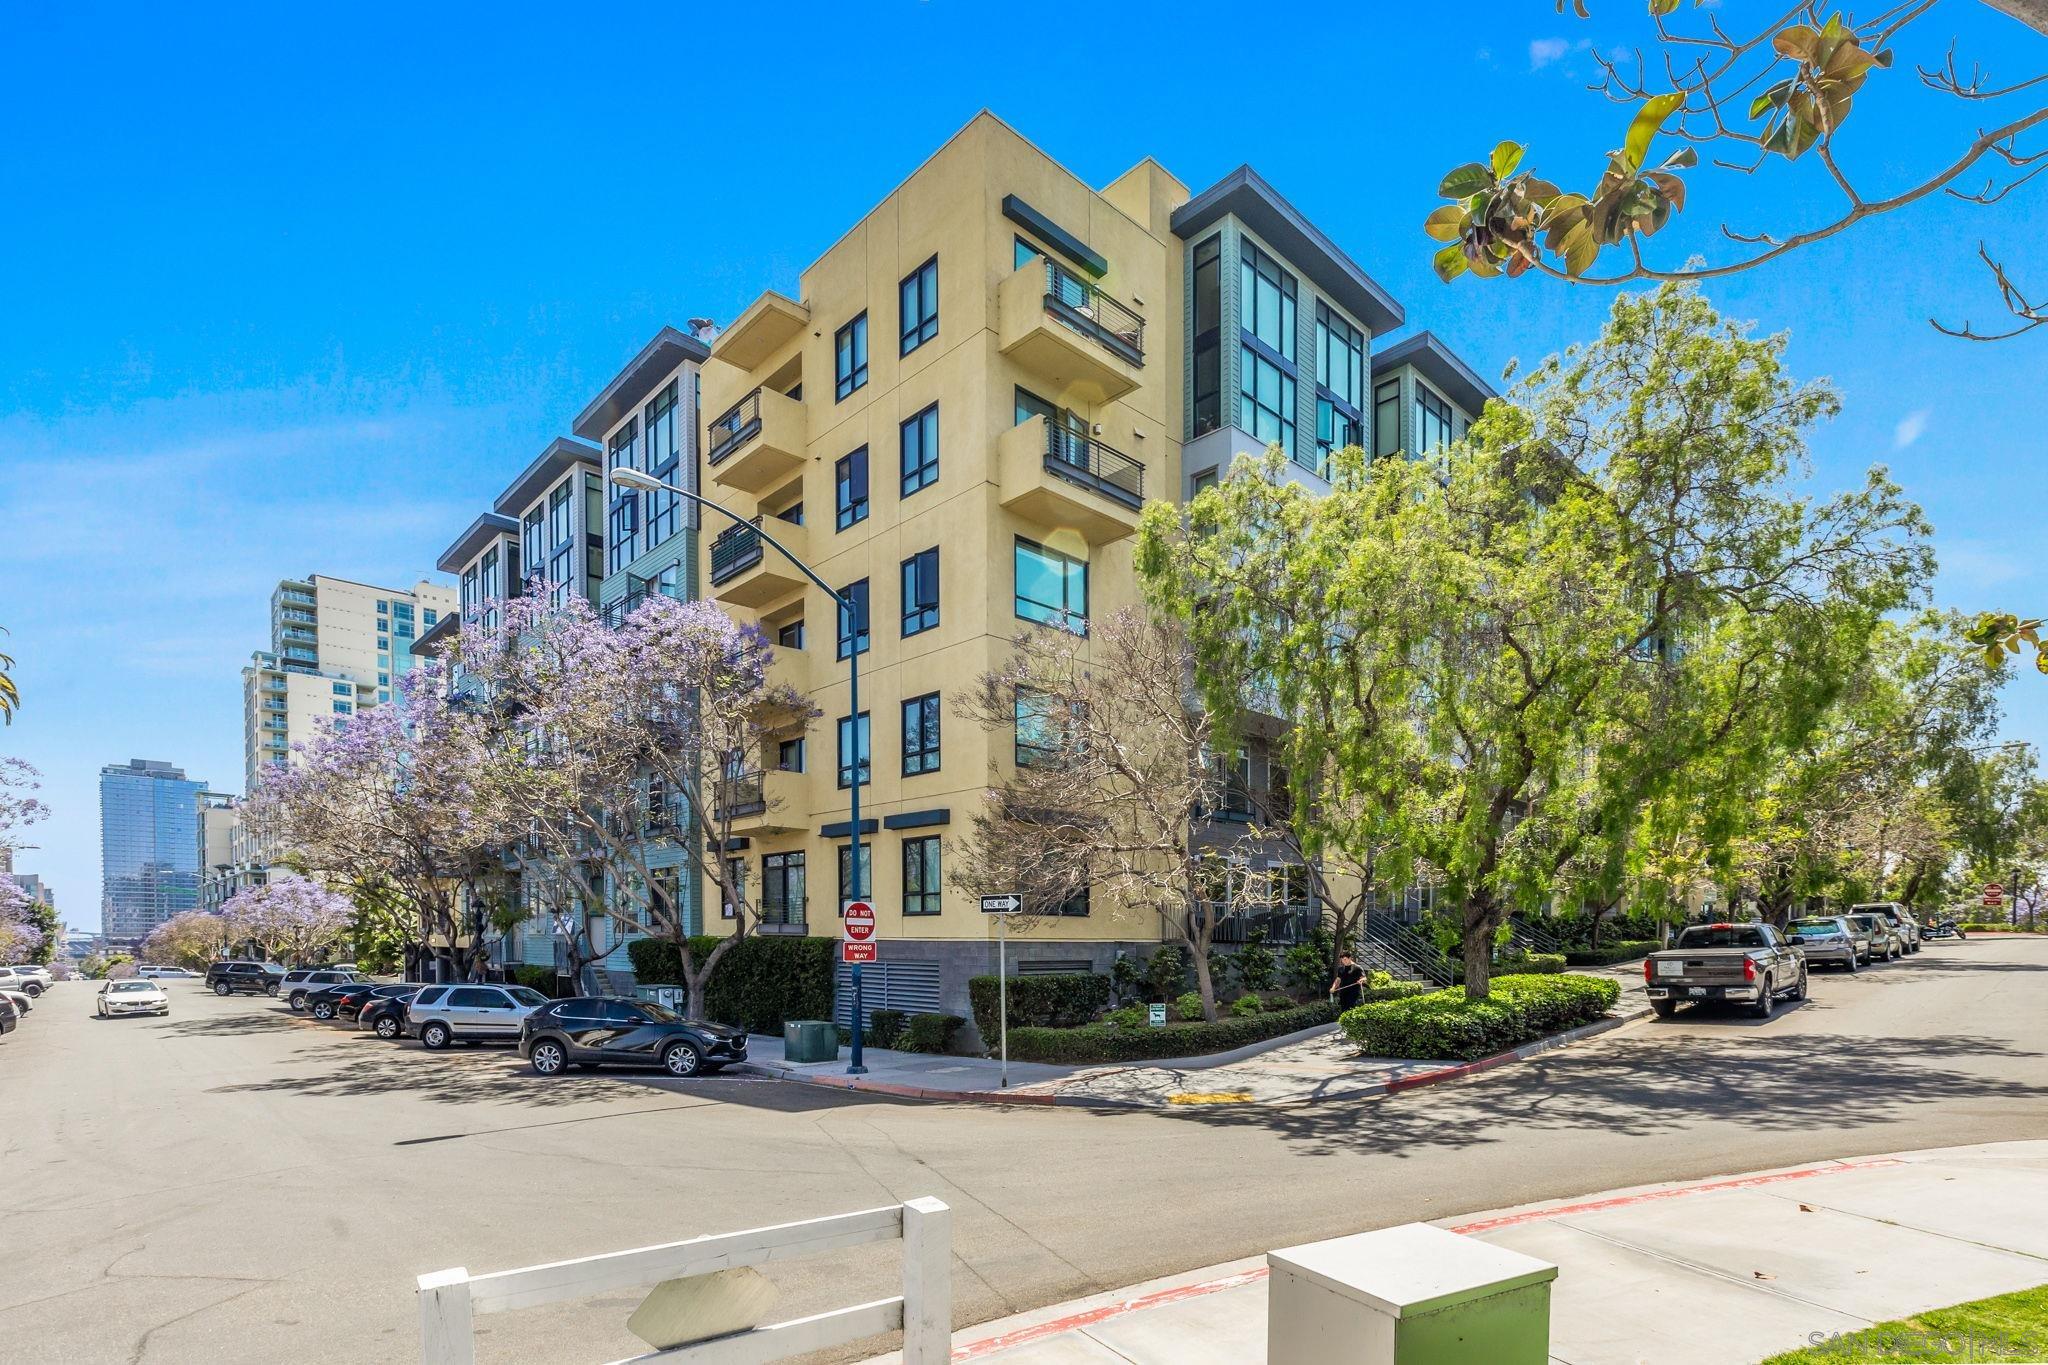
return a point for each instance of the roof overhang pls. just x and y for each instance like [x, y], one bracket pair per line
[656, 361]
[436, 637]
[1245, 195]
[760, 330]
[1437, 363]
[471, 543]
[536, 479]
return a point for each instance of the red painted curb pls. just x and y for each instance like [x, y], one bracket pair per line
[905, 1092]
[1740, 1182]
[975, 1350]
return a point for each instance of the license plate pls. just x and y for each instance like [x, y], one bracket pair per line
[1671, 969]
[1697, 990]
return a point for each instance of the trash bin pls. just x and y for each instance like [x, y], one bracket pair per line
[810, 1040]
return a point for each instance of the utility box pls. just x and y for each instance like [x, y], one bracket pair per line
[810, 1040]
[1408, 1295]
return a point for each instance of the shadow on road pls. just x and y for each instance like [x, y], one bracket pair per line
[227, 1025]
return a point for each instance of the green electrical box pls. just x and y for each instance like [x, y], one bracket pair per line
[810, 1040]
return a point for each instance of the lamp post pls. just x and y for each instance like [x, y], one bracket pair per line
[634, 478]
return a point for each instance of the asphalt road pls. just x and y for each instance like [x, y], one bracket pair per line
[236, 1184]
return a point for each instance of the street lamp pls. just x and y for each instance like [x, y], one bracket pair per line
[634, 478]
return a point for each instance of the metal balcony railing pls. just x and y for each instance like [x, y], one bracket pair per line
[740, 794]
[733, 428]
[1080, 458]
[779, 914]
[735, 550]
[1284, 926]
[1081, 306]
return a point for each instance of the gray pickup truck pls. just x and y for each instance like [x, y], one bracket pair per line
[1749, 963]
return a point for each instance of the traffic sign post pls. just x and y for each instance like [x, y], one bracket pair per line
[858, 946]
[1994, 896]
[1002, 907]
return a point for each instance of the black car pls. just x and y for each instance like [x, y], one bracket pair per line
[347, 1001]
[8, 1016]
[384, 1015]
[243, 977]
[591, 1031]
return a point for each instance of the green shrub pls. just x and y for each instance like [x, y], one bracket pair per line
[1378, 977]
[885, 1028]
[1245, 1006]
[542, 979]
[1256, 970]
[1531, 964]
[1608, 953]
[1189, 1006]
[1126, 976]
[1308, 968]
[1444, 1025]
[1130, 1016]
[1054, 1000]
[1098, 1043]
[933, 1032]
[760, 984]
[2001, 927]
[1391, 989]
[1166, 971]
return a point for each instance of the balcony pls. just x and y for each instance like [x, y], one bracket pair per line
[758, 442]
[304, 618]
[300, 633]
[1059, 325]
[779, 917]
[747, 572]
[1058, 477]
[1280, 926]
[301, 599]
[768, 324]
[768, 802]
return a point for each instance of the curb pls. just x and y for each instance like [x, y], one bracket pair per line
[904, 1092]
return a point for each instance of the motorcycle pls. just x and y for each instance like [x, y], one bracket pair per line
[1943, 928]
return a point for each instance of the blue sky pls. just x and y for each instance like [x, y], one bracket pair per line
[292, 290]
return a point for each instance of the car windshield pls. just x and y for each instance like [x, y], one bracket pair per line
[131, 986]
[1816, 926]
[660, 1014]
[526, 995]
[1722, 936]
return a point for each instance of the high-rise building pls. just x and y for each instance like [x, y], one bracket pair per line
[335, 646]
[37, 889]
[149, 846]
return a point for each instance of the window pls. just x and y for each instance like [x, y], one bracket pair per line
[432, 616]
[921, 591]
[624, 537]
[1207, 392]
[849, 888]
[790, 634]
[918, 296]
[1386, 417]
[1432, 420]
[342, 708]
[383, 661]
[342, 689]
[735, 887]
[1340, 357]
[921, 450]
[1023, 253]
[921, 735]
[1336, 428]
[1265, 399]
[850, 356]
[383, 680]
[850, 487]
[1267, 298]
[383, 608]
[535, 527]
[1052, 588]
[1203, 482]
[401, 611]
[853, 622]
[921, 875]
[1040, 733]
[789, 755]
[782, 889]
[853, 750]
[664, 456]
[561, 517]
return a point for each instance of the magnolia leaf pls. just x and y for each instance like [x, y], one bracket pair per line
[1644, 126]
[2031, 635]
[1450, 263]
[2041, 662]
[1540, 192]
[1684, 158]
[1799, 42]
[1468, 179]
[1672, 188]
[1506, 156]
[1446, 224]
[1578, 247]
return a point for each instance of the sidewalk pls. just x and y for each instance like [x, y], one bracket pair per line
[1700, 1273]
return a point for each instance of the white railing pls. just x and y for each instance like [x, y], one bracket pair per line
[451, 1299]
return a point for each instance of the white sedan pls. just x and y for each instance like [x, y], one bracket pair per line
[132, 996]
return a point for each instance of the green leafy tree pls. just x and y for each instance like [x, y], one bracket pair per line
[1611, 578]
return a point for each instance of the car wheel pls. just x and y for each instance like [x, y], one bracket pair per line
[1766, 998]
[222, 989]
[387, 1027]
[103, 1009]
[1665, 1008]
[297, 1001]
[323, 1010]
[547, 1057]
[434, 1037]
[682, 1060]
[32, 991]
[1852, 962]
[271, 990]
[1799, 992]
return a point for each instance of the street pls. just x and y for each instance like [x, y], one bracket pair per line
[236, 1183]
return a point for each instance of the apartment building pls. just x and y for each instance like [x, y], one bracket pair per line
[1062, 354]
[333, 643]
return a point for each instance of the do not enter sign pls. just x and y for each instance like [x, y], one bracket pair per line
[860, 921]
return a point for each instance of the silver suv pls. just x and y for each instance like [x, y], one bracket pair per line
[29, 979]
[470, 1013]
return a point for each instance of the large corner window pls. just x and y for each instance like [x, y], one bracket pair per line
[1433, 419]
[1052, 588]
[850, 488]
[854, 754]
[1340, 395]
[918, 300]
[853, 620]
[1041, 727]
[1265, 399]
[921, 592]
[664, 460]
[1267, 298]
[920, 460]
[623, 529]
[1206, 395]
[850, 357]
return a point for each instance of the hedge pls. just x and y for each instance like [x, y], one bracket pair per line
[1609, 953]
[1532, 964]
[885, 1028]
[1109, 1043]
[1973, 927]
[1446, 1026]
[1052, 1000]
[760, 984]
[932, 1033]
[542, 979]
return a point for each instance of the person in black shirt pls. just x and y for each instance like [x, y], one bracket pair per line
[1349, 981]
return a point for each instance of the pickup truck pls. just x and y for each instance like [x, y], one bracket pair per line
[1751, 963]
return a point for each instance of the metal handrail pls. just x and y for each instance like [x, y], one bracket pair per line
[1412, 946]
[734, 549]
[1285, 926]
[1081, 303]
[732, 428]
[741, 794]
[1080, 457]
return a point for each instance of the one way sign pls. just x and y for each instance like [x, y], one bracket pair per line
[1000, 905]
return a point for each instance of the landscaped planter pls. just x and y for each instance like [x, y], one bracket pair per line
[1446, 1026]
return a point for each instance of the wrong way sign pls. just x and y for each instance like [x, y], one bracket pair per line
[849, 951]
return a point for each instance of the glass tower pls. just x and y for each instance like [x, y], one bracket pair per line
[149, 846]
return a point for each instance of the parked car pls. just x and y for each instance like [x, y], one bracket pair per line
[9, 1019]
[346, 1001]
[1885, 943]
[1901, 920]
[25, 980]
[1751, 963]
[385, 1015]
[240, 976]
[42, 976]
[469, 1013]
[599, 1031]
[303, 981]
[132, 995]
[152, 972]
[22, 1001]
[1831, 938]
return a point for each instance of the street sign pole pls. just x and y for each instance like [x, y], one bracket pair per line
[1002, 907]
[857, 945]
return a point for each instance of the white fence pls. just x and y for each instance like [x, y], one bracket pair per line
[451, 1299]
